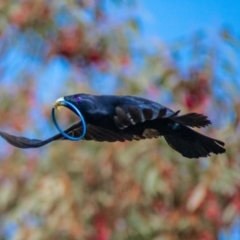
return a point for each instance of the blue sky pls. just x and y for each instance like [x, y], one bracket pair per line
[174, 19]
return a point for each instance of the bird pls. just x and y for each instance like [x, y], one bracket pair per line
[113, 118]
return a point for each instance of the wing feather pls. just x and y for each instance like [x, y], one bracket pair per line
[130, 115]
[23, 142]
[93, 133]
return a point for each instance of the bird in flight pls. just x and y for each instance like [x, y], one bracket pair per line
[125, 118]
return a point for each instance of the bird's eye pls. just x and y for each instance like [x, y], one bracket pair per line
[78, 99]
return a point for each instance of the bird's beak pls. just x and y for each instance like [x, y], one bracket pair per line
[59, 103]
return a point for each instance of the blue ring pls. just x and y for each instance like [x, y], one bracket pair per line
[66, 103]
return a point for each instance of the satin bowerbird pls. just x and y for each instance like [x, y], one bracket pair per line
[113, 118]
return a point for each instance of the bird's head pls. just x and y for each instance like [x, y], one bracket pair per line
[83, 102]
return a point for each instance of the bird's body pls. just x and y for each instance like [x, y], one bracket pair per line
[119, 118]
[131, 112]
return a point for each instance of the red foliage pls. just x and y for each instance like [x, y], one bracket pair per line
[213, 212]
[197, 91]
[100, 223]
[69, 42]
[97, 57]
[29, 12]
[205, 235]
[236, 201]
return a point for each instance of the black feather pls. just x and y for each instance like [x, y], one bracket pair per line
[192, 120]
[127, 118]
[192, 144]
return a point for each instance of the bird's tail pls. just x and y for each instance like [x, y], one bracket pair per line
[192, 144]
[191, 120]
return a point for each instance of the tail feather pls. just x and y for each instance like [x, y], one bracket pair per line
[192, 144]
[192, 120]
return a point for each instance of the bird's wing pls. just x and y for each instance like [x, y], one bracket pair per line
[127, 115]
[23, 142]
[103, 134]
[93, 133]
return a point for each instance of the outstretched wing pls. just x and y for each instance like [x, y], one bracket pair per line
[23, 142]
[93, 133]
[104, 135]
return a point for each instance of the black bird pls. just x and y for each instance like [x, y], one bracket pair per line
[120, 118]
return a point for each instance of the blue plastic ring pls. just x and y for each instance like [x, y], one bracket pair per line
[74, 109]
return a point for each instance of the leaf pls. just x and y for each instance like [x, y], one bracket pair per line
[151, 180]
[196, 198]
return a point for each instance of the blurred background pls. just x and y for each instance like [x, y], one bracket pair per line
[182, 54]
